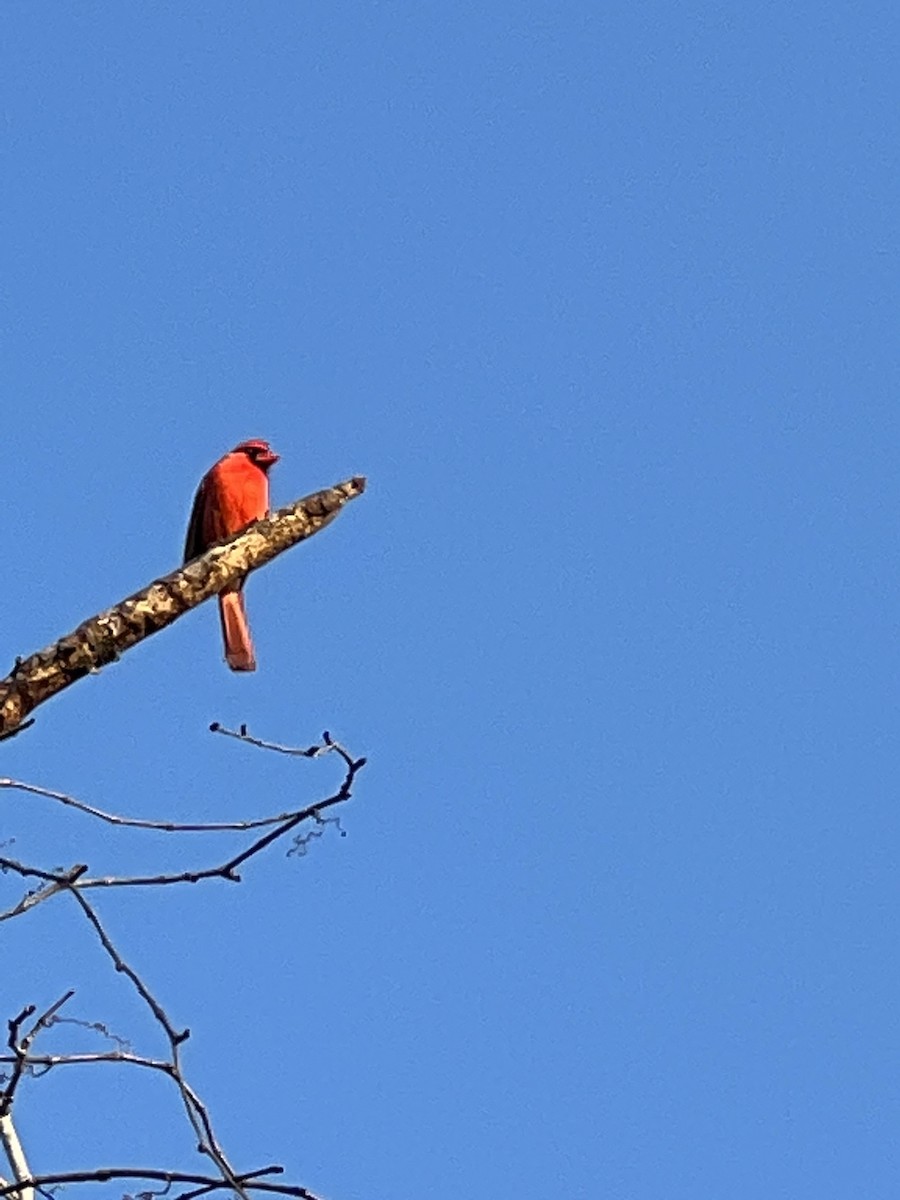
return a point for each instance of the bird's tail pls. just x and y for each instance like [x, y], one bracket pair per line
[236, 632]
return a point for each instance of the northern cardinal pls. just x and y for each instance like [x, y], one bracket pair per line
[232, 494]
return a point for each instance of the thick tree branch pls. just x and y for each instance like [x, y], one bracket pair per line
[101, 639]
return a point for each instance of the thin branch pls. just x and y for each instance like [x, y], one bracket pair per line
[20, 1045]
[196, 1111]
[243, 736]
[22, 1063]
[207, 1182]
[47, 1062]
[55, 881]
[228, 869]
[104, 637]
[174, 1035]
[250, 1177]
[169, 826]
[141, 822]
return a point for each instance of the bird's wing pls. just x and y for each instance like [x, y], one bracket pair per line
[195, 542]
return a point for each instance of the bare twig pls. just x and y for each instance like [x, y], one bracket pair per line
[20, 1044]
[56, 881]
[41, 1064]
[208, 1183]
[243, 736]
[196, 1111]
[163, 826]
[75, 882]
[104, 637]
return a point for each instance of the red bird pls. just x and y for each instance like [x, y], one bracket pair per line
[232, 495]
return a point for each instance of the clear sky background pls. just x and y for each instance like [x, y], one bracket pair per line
[603, 301]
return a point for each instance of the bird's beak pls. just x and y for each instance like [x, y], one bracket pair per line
[269, 459]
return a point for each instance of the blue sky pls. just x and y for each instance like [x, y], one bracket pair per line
[602, 299]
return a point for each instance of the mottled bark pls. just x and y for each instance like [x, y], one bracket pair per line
[101, 639]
